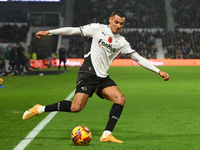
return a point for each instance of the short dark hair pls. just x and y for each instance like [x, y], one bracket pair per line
[119, 13]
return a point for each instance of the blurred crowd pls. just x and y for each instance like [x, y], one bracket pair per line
[143, 42]
[181, 45]
[12, 33]
[77, 46]
[139, 13]
[186, 13]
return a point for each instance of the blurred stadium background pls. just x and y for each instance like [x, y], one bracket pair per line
[156, 29]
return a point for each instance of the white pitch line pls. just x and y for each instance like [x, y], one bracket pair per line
[38, 128]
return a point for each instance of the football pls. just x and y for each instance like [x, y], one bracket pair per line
[1, 81]
[81, 135]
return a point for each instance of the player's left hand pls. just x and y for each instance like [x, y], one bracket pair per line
[164, 75]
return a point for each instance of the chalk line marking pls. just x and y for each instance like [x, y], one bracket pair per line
[38, 128]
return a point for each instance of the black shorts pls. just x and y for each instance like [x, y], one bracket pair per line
[62, 59]
[87, 83]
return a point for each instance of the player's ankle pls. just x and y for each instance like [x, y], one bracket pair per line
[106, 133]
[41, 109]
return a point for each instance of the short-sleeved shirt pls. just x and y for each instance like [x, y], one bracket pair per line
[104, 48]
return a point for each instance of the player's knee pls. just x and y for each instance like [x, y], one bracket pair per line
[121, 100]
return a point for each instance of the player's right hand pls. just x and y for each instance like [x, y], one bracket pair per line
[164, 75]
[41, 33]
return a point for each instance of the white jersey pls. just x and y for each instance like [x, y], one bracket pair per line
[104, 48]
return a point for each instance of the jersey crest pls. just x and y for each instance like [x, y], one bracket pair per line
[110, 39]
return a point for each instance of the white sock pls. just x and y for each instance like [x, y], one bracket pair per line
[106, 133]
[41, 109]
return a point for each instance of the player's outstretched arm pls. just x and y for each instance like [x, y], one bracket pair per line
[41, 33]
[68, 31]
[148, 65]
[164, 75]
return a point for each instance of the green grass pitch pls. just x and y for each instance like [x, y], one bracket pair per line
[158, 115]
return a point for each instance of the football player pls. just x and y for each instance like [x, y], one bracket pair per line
[106, 44]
